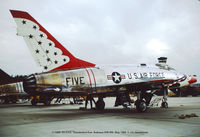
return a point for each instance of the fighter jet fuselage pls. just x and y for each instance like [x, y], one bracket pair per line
[104, 79]
[67, 75]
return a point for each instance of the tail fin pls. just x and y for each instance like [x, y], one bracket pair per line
[45, 49]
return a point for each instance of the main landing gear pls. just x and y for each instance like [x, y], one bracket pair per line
[99, 105]
[143, 101]
[123, 99]
[164, 103]
[40, 99]
[140, 103]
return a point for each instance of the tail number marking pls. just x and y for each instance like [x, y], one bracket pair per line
[74, 81]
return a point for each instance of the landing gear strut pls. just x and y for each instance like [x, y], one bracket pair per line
[91, 99]
[123, 99]
[100, 104]
[33, 102]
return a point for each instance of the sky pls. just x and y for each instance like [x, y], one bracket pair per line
[107, 32]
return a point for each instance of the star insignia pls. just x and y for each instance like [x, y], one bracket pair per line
[23, 22]
[34, 27]
[48, 59]
[41, 35]
[116, 77]
[39, 42]
[50, 44]
[37, 51]
[30, 36]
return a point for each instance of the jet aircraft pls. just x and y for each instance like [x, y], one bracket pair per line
[11, 89]
[67, 75]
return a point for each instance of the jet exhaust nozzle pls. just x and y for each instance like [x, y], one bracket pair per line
[29, 84]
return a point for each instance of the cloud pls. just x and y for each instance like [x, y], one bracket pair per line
[108, 31]
[157, 47]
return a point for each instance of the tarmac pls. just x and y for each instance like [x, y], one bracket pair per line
[24, 120]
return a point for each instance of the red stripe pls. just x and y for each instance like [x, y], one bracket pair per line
[94, 78]
[163, 80]
[90, 80]
[109, 77]
[17, 88]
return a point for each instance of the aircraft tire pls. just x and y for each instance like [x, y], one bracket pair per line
[141, 106]
[164, 105]
[14, 101]
[33, 102]
[47, 102]
[100, 105]
[6, 101]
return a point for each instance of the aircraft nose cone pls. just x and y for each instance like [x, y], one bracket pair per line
[192, 80]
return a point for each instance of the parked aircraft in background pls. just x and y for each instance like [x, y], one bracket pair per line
[11, 88]
[67, 75]
[12, 93]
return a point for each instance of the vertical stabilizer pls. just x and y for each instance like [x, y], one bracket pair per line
[46, 50]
